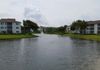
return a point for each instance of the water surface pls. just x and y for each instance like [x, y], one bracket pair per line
[49, 52]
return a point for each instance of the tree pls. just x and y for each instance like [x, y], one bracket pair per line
[79, 25]
[62, 28]
[28, 24]
[82, 24]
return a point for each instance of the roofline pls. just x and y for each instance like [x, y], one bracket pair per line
[5, 20]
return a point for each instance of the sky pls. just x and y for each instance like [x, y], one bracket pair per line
[51, 12]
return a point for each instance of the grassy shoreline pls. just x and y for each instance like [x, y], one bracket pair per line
[85, 37]
[11, 37]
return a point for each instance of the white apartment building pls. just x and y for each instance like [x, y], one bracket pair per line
[10, 26]
[93, 27]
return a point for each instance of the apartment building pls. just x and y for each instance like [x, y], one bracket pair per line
[93, 27]
[10, 26]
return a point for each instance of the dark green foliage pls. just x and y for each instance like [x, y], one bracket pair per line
[62, 28]
[28, 25]
[55, 30]
[79, 25]
[50, 30]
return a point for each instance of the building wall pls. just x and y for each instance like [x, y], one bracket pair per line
[16, 27]
[98, 28]
[3, 27]
[90, 29]
[68, 29]
[95, 29]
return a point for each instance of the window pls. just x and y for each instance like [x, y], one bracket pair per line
[2, 27]
[91, 28]
[9, 27]
[2, 23]
[98, 24]
[98, 28]
[3, 32]
[17, 27]
[91, 32]
[98, 32]
[17, 23]
[17, 31]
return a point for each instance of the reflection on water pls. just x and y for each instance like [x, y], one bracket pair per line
[49, 52]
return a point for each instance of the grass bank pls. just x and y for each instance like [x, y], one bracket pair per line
[86, 37]
[20, 36]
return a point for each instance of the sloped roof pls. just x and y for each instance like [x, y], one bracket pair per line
[94, 22]
[9, 20]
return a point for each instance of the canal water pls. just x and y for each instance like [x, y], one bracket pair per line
[49, 52]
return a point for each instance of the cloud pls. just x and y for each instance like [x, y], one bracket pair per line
[35, 15]
[70, 10]
[53, 12]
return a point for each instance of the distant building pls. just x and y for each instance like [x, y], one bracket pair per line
[68, 28]
[10, 26]
[93, 27]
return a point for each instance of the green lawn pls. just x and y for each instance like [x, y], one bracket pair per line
[7, 37]
[86, 37]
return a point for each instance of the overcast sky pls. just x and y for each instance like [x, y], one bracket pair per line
[51, 12]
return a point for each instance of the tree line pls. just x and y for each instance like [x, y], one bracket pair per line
[55, 30]
[79, 26]
[30, 26]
